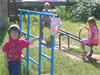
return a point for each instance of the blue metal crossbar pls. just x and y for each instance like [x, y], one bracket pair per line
[33, 61]
[28, 34]
[46, 56]
[35, 12]
[49, 46]
[40, 42]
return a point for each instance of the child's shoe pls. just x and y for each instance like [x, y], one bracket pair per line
[43, 41]
[84, 54]
[91, 52]
[48, 42]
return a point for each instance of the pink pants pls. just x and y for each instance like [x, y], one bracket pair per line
[87, 40]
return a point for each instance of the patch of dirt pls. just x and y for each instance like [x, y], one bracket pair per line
[46, 74]
[96, 56]
[73, 56]
[73, 46]
[78, 57]
[63, 47]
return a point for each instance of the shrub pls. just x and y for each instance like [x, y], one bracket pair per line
[84, 9]
[64, 12]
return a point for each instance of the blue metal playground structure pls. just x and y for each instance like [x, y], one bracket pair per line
[40, 42]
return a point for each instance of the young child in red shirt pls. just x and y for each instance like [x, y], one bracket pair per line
[13, 49]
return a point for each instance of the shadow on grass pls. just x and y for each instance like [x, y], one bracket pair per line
[72, 51]
[3, 32]
[92, 61]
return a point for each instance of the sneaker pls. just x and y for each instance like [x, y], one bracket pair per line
[43, 41]
[90, 54]
[48, 42]
[84, 54]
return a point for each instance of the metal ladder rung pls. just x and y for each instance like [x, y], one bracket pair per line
[46, 56]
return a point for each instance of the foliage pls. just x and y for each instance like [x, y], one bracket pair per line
[80, 11]
[63, 64]
[86, 8]
[64, 12]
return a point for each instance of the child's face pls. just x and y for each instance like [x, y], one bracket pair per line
[91, 24]
[14, 34]
[47, 7]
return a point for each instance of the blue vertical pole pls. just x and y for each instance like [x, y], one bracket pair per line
[20, 24]
[39, 67]
[52, 55]
[28, 28]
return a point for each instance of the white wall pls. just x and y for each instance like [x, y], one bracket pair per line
[3, 13]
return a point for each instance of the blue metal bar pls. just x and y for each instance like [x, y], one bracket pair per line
[30, 59]
[33, 61]
[46, 56]
[52, 55]
[28, 34]
[35, 12]
[23, 57]
[28, 28]
[39, 67]
[46, 45]
[20, 24]
[40, 43]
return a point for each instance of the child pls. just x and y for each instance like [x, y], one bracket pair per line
[92, 38]
[13, 49]
[47, 20]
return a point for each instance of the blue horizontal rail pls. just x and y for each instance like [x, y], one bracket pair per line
[35, 12]
[28, 34]
[46, 56]
[30, 59]
[49, 46]
[23, 57]
[33, 61]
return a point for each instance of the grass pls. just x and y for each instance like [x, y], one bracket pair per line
[63, 65]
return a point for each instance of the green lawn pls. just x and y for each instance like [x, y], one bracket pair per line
[63, 65]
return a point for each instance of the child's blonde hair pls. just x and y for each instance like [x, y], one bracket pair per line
[92, 20]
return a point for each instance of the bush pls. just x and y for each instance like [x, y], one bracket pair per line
[85, 9]
[64, 12]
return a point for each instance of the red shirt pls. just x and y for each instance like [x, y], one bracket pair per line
[14, 48]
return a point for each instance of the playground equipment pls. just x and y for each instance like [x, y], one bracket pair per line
[69, 35]
[72, 36]
[40, 42]
[80, 35]
[13, 5]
